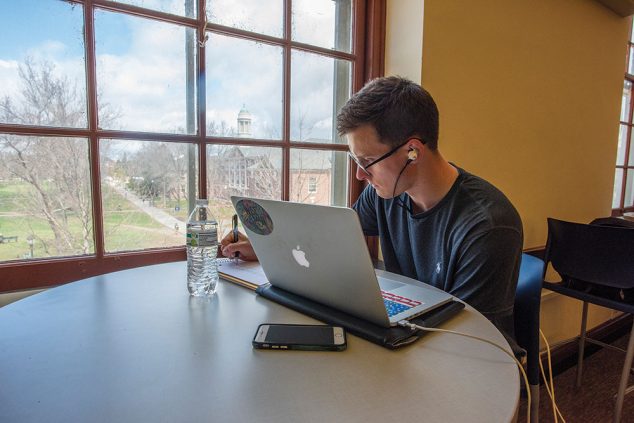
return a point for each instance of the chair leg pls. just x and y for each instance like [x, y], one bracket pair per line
[534, 403]
[618, 409]
[582, 343]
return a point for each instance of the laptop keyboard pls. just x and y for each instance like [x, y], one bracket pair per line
[395, 304]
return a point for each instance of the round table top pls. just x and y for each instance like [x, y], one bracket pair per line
[133, 346]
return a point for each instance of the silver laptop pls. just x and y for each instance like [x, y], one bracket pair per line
[320, 253]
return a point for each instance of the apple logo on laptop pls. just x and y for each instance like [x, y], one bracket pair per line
[300, 257]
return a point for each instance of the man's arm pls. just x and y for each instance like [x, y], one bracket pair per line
[365, 206]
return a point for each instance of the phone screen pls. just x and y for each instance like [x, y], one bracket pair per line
[315, 335]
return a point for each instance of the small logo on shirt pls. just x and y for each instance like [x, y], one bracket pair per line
[438, 267]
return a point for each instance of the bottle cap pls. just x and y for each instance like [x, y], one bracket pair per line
[202, 202]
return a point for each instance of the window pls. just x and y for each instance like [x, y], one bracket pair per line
[312, 185]
[623, 196]
[116, 115]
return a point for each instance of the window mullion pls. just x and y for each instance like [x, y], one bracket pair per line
[93, 122]
[286, 75]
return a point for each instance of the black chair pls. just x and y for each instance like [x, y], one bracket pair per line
[596, 266]
[526, 313]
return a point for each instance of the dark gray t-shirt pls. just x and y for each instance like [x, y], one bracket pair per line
[469, 244]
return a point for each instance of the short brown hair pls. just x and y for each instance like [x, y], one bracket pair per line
[397, 108]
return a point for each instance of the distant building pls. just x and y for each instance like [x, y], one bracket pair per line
[232, 172]
[253, 172]
[244, 123]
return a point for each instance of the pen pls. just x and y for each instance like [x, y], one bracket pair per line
[234, 228]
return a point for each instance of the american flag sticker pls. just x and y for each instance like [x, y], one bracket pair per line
[398, 299]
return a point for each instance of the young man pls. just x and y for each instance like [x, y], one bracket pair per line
[436, 222]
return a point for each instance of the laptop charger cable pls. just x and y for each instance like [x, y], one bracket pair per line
[412, 326]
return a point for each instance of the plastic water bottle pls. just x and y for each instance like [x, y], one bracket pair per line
[202, 246]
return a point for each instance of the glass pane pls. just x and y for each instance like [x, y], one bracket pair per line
[625, 102]
[244, 88]
[175, 7]
[323, 23]
[630, 67]
[147, 190]
[45, 197]
[145, 74]
[622, 144]
[631, 154]
[318, 177]
[618, 186]
[319, 86]
[629, 188]
[265, 17]
[249, 171]
[42, 66]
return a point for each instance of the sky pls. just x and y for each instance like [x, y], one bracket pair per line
[141, 63]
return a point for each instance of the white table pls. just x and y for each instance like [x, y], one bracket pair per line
[132, 346]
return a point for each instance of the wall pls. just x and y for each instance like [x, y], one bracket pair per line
[403, 52]
[9, 297]
[529, 97]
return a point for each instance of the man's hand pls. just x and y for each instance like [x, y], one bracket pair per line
[242, 247]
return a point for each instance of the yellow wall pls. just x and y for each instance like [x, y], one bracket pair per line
[529, 97]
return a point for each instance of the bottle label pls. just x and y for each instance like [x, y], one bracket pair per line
[202, 238]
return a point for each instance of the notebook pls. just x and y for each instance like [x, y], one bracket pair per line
[319, 252]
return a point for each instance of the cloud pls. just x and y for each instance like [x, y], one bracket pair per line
[314, 22]
[241, 72]
[55, 53]
[48, 50]
[265, 17]
[141, 70]
[176, 7]
[8, 78]
[312, 84]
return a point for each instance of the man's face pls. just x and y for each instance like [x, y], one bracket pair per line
[366, 148]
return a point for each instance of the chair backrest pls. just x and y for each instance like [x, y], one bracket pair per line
[526, 312]
[613, 221]
[597, 254]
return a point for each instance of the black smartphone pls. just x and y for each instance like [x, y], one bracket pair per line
[300, 337]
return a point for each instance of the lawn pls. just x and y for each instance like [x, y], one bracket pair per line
[11, 195]
[126, 227]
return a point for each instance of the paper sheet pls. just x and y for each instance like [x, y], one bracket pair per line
[245, 273]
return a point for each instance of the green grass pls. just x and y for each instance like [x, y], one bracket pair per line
[136, 230]
[22, 226]
[134, 217]
[12, 195]
[127, 238]
[126, 227]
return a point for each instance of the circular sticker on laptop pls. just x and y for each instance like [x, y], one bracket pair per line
[254, 217]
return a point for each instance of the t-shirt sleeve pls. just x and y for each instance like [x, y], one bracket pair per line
[487, 270]
[365, 206]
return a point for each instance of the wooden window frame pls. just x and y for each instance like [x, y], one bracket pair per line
[627, 167]
[367, 59]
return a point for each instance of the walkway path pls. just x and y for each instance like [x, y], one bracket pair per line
[155, 213]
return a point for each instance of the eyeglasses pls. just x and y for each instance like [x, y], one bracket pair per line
[365, 167]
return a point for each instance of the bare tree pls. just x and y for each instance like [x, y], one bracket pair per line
[303, 170]
[304, 126]
[220, 129]
[55, 168]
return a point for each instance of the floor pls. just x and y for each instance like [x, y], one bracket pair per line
[594, 401]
